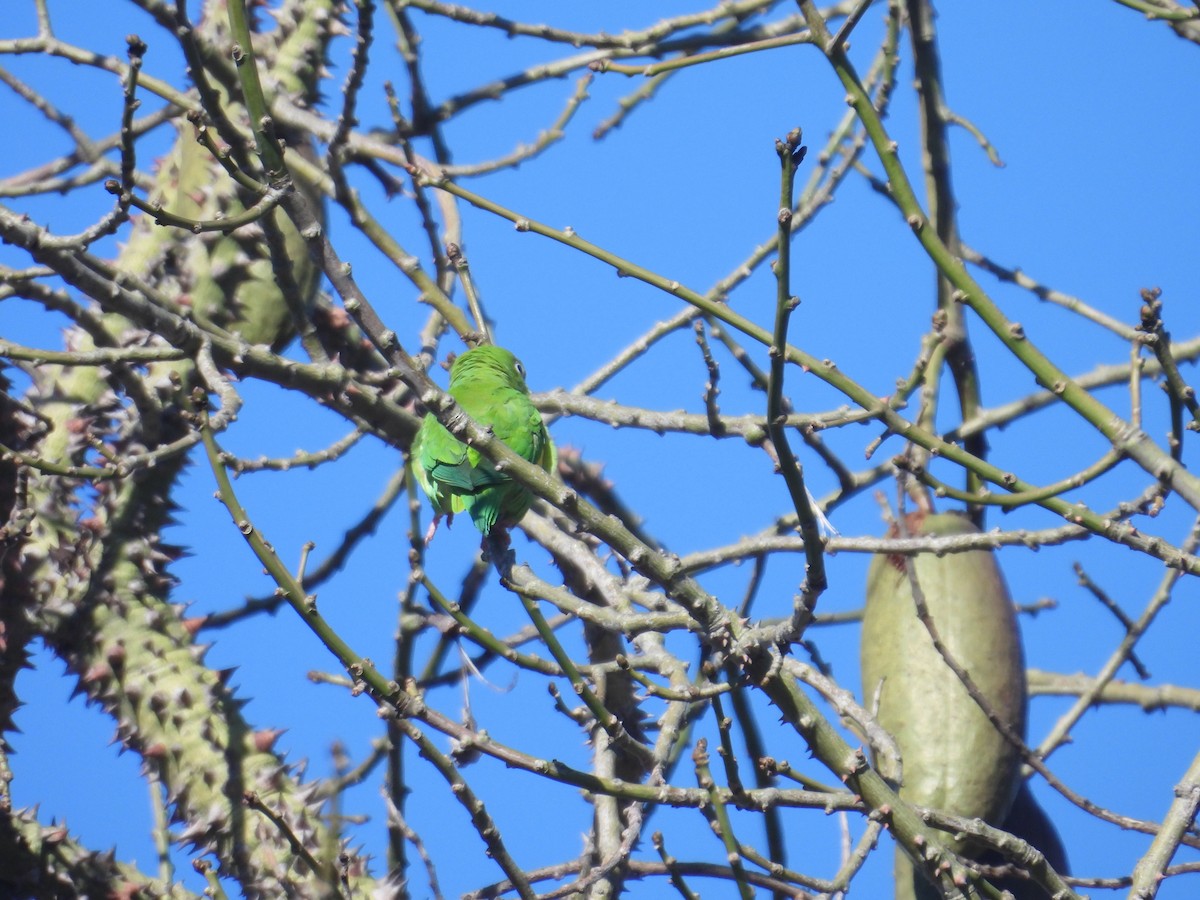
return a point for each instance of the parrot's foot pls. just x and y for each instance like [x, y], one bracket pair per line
[430, 532]
[433, 526]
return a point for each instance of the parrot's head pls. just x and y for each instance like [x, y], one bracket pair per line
[490, 364]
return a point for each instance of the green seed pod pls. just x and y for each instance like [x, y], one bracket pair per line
[953, 758]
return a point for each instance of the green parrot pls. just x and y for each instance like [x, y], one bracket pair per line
[489, 384]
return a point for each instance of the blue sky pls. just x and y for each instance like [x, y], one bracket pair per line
[1092, 109]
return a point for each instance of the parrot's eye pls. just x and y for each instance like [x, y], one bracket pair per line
[520, 370]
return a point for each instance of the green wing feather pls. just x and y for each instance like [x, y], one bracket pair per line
[489, 384]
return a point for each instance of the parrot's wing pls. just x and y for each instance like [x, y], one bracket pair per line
[440, 462]
[445, 464]
[548, 459]
[516, 421]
